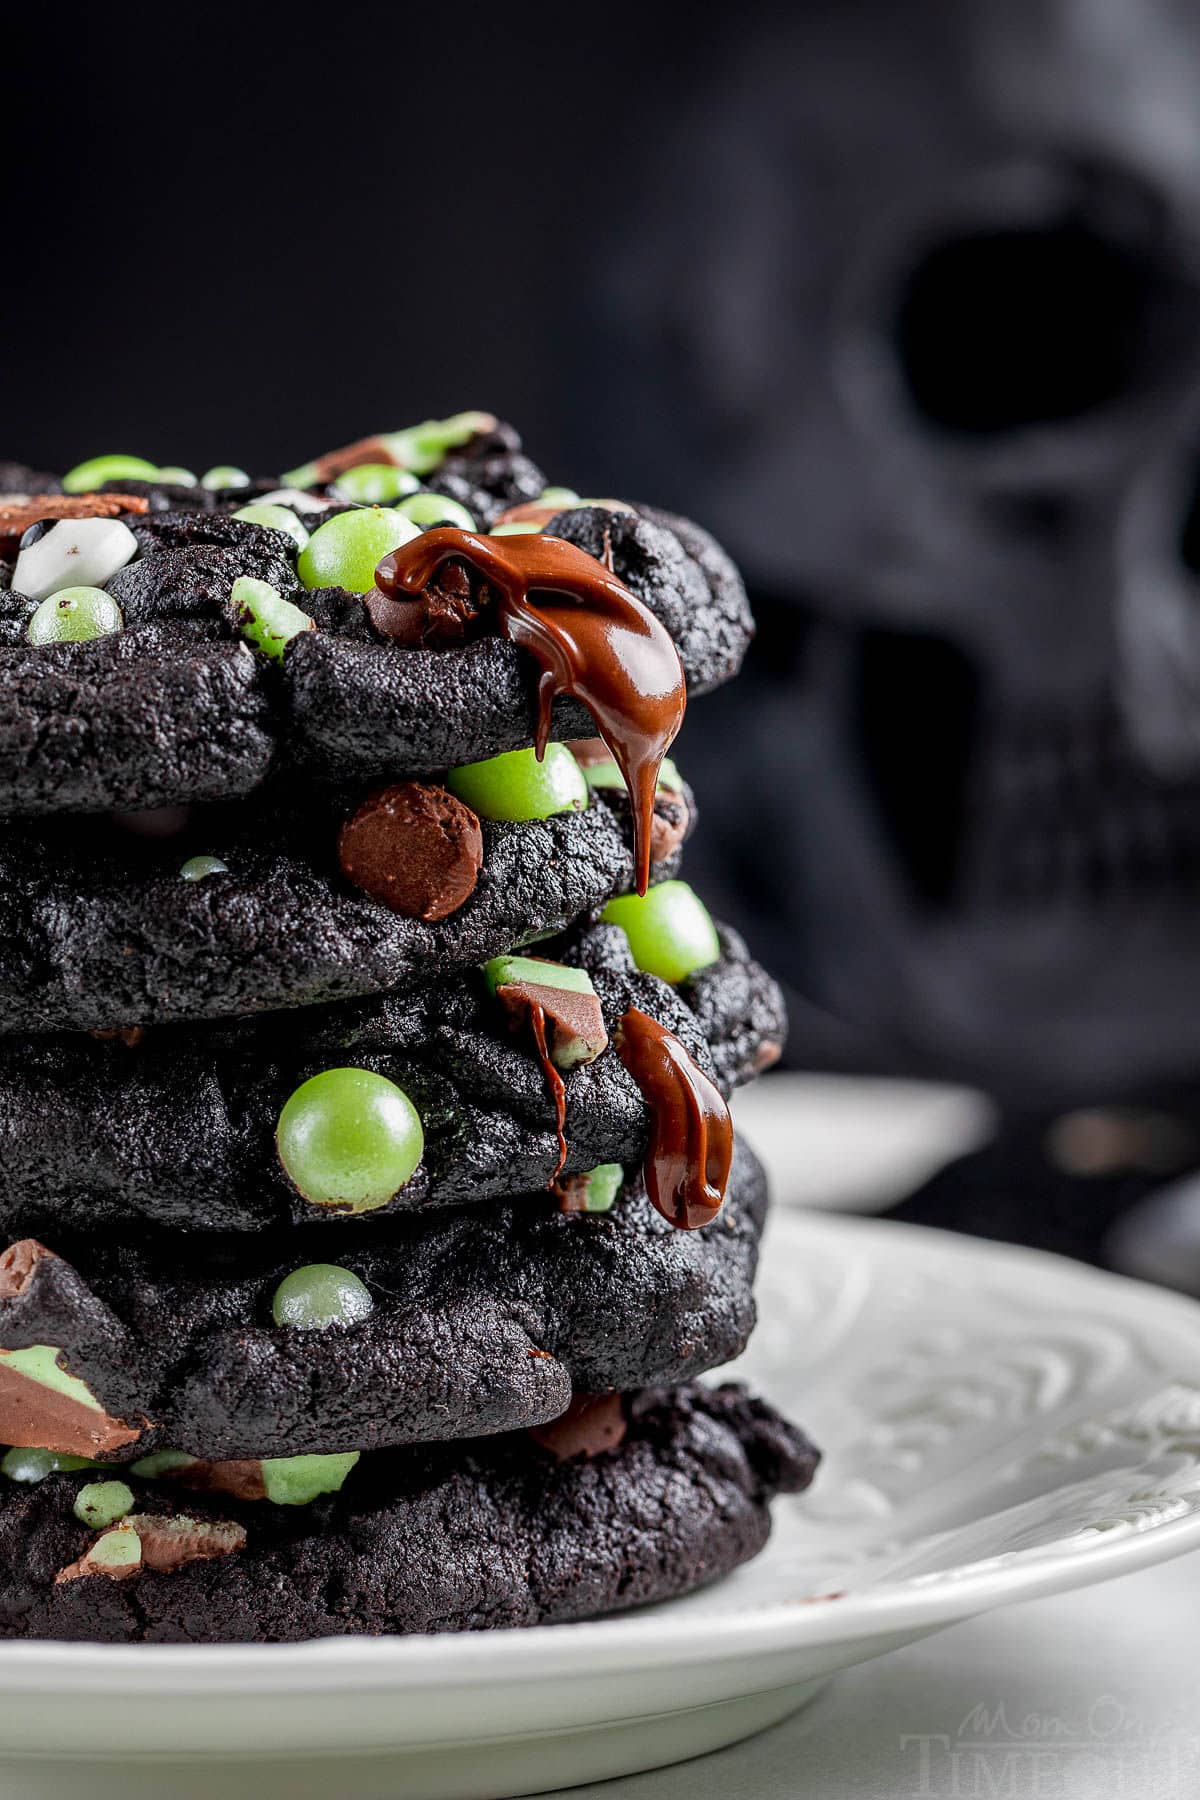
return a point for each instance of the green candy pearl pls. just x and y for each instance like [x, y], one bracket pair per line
[279, 518]
[297, 1480]
[74, 616]
[86, 476]
[559, 496]
[102, 1503]
[320, 1295]
[375, 484]
[197, 867]
[670, 930]
[265, 619]
[349, 1138]
[436, 509]
[35, 1465]
[173, 476]
[515, 785]
[346, 550]
[224, 475]
[517, 528]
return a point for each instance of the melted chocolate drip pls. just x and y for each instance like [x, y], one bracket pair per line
[691, 1141]
[600, 644]
[554, 1081]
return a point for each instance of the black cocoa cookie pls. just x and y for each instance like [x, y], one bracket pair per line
[483, 1535]
[344, 702]
[179, 1127]
[101, 929]
[478, 1320]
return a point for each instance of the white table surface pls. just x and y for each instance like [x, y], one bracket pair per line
[1093, 1696]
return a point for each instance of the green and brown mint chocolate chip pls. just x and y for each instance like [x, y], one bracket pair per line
[574, 1021]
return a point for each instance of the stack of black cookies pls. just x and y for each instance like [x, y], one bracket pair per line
[368, 1184]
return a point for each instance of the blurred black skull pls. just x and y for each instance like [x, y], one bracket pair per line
[916, 337]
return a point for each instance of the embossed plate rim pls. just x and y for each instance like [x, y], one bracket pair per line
[643, 1640]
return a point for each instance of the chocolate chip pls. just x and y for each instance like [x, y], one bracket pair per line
[416, 848]
[591, 1424]
[446, 613]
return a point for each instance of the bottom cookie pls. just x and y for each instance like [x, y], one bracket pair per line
[603, 1511]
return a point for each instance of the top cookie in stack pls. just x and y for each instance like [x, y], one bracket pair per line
[340, 920]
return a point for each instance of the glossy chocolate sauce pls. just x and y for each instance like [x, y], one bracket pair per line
[554, 1081]
[589, 635]
[691, 1140]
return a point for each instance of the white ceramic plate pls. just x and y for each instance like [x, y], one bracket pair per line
[999, 1424]
[857, 1143]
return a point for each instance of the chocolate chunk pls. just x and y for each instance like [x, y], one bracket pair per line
[591, 1424]
[242, 1479]
[18, 1264]
[556, 996]
[416, 848]
[45, 1418]
[171, 1543]
[447, 612]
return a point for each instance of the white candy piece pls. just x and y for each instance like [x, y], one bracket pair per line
[74, 553]
[294, 497]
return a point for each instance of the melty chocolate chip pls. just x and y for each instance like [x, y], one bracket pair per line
[72, 553]
[415, 847]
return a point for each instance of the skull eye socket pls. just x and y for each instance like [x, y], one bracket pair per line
[1056, 302]
[1004, 330]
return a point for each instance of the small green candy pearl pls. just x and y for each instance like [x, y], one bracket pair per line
[279, 518]
[224, 475]
[375, 484]
[515, 785]
[117, 1549]
[320, 1295]
[603, 1185]
[517, 528]
[35, 1465]
[102, 1503]
[349, 1138]
[297, 1480]
[558, 496]
[346, 550]
[174, 476]
[74, 616]
[265, 619]
[98, 469]
[436, 509]
[670, 930]
[197, 867]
